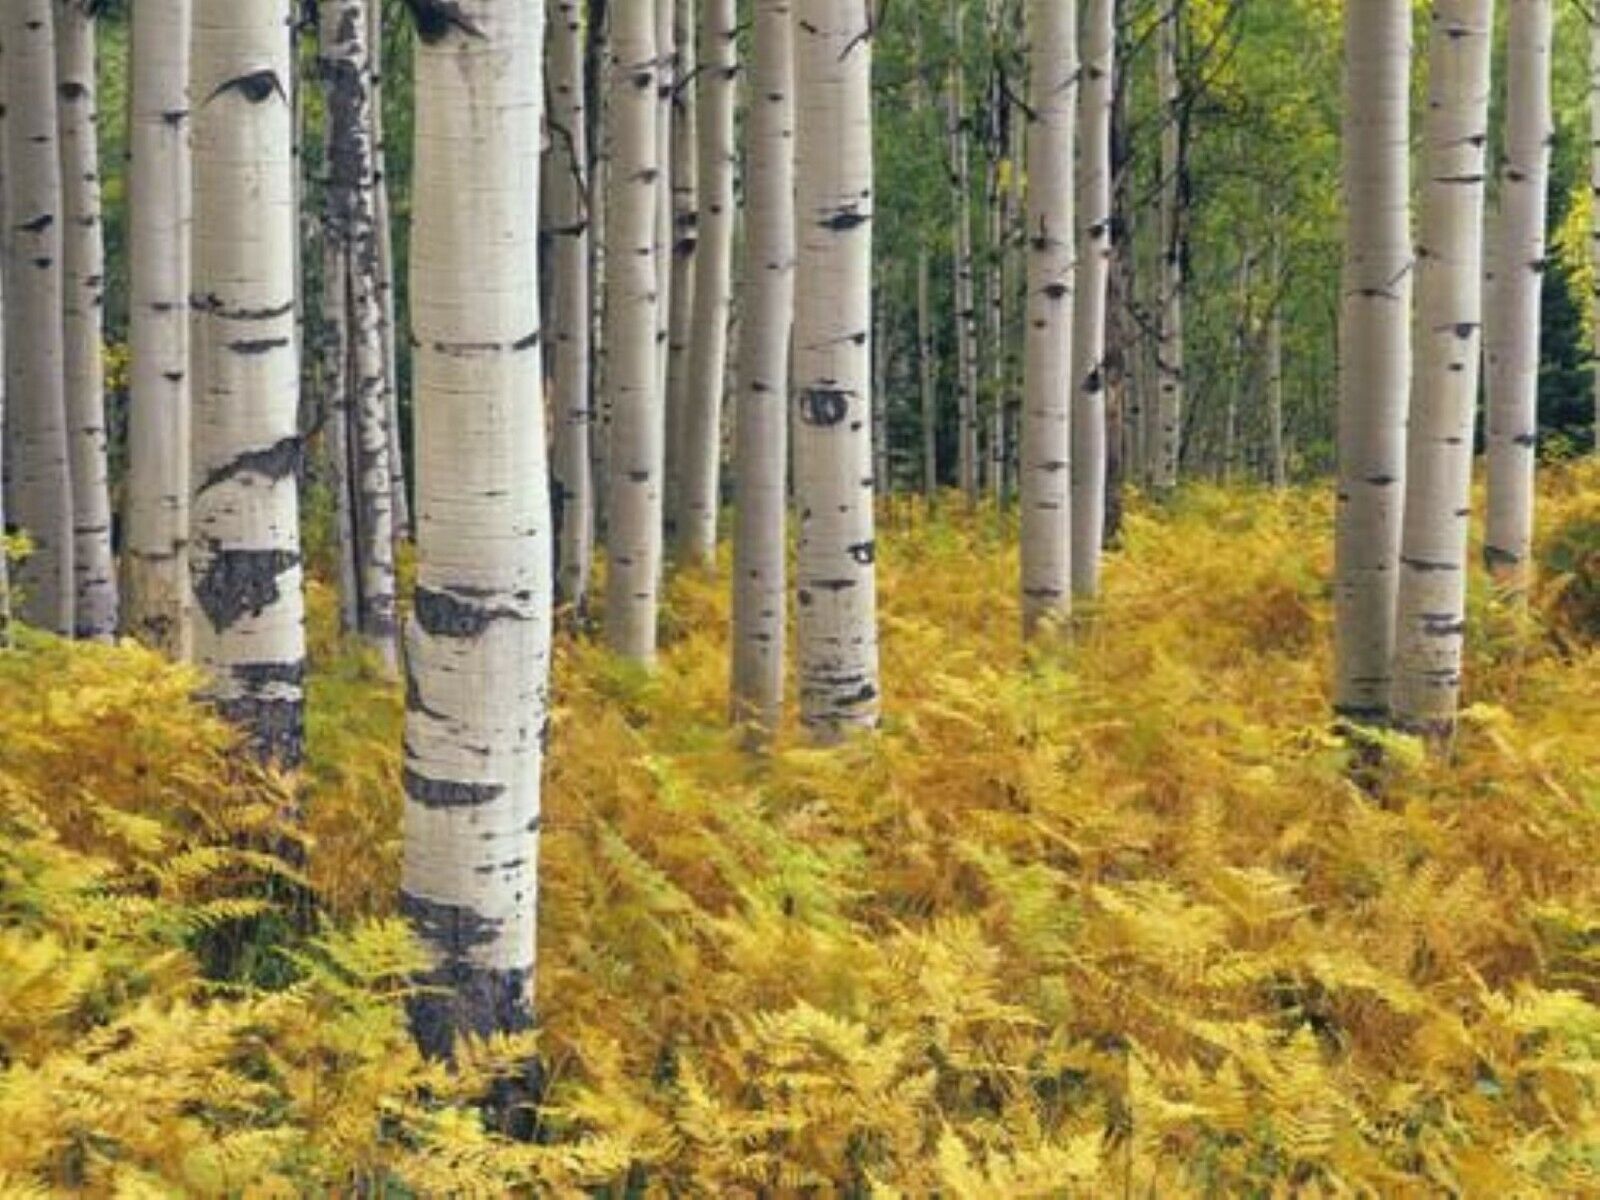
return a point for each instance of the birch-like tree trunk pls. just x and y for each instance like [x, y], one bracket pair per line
[155, 562]
[881, 484]
[1444, 395]
[572, 485]
[633, 383]
[667, 79]
[837, 594]
[83, 263]
[1513, 424]
[684, 215]
[350, 236]
[5, 563]
[713, 285]
[925, 378]
[1047, 395]
[479, 638]
[1375, 344]
[39, 484]
[1277, 460]
[400, 505]
[965, 293]
[761, 414]
[245, 554]
[1095, 249]
[1170, 358]
[597, 60]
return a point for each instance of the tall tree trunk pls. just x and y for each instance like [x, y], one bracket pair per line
[1171, 400]
[83, 262]
[571, 488]
[400, 505]
[634, 471]
[1513, 425]
[1047, 400]
[837, 619]
[1594, 212]
[596, 54]
[1095, 248]
[245, 553]
[1444, 395]
[1239, 391]
[1375, 342]
[761, 414]
[156, 527]
[5, 565]
[966, 301]
[479, 638]
[880, 392]
[39, 482]
[713, 291]
[1277, 458]
[925, 378]
[684, 214]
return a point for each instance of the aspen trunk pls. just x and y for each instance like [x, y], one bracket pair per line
[1047, 399]
[1375, 343]
[571, 488]
[156, 546]
[1095, 248]
[601, 116]
[925, 379]
[684, 215]
[713, 292]
[1277, 460]
[880, 394]
[5, 565]
[666, 77]
[1171, 400]
[1238, 393]
[633, 382]
[1444, 395]
[245, 554]
[1594, 212]
[39, 480]
[400, 504]
[966, 301]
[761, 413]
[479, 638]
[1513, 424]
[837, 595]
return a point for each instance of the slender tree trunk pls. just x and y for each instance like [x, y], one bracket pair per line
[1375, 341]
[1095, 248]
[156, 543]
[761, 415]
[571, 487]
[880, 393]
[1171, 400]
[966, 301]
[666, 15]
[685, 217]
[837, 618]
[39, 482]
[245, 554]
[1513, 425]
[601, 116]
[1594, 211]
[1444, 394]
[634, 473]
[479, 638]
[1239, 393]
[1047, 401]
[5, 565]
[1278, 462]
[400, 505]
[925, 377]
[713, 291]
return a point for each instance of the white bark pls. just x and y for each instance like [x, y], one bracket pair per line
[1513, 424]
[479, 639]
[1171, 374]
[1444, 395]
[925, 370]
[685, 217]
[1277, 460]
[633, 382]
[837, 592]
[761, 413]
[39, 484]
[1094, 279]
[713, 284]
[400, 505]
[1375, 343]
[155, 564]
[965, 297]
[1046, 470]
[666, 19]
[572, 485]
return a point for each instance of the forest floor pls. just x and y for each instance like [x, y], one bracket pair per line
[1107, 918]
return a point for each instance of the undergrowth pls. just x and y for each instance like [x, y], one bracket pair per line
[1102, 918]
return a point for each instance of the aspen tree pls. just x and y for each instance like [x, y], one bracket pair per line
[5, 564]
[925, 378]
[1513, 421]
[479, 639]
[684, 216]
[1047, 399]
[761, 415]
[1375, 343]
[1170, 371]
[245, 554]
[1594, 210]
[39, 481]
[156, 590]
[836, 597]
[667, 79]
[966, 302]
[400, 505]
[1276, 459]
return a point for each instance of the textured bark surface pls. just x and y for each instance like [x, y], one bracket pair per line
[701, 443]
[1170, 370]
[1277, 459]
[94, 581]
[245, 555]
[157, 604]
[39, 482]
[761, 414]
[5, 564]
[966, 314]
[666, 84]
[633, 381]
[1513, 424]
[1047, 396]
[684, 168]
[1375, 345]
[837, 581]
[926, 366]
[1433, 556]
[478, 642]
[1098, 47]
[400, 505]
